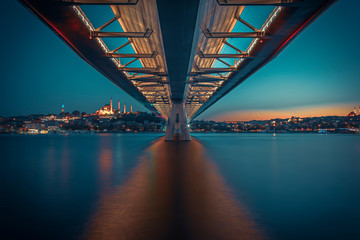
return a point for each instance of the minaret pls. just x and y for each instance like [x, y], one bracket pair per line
[62, 108]
[111, 109]
[124, 108]
[131, 109]
[119, 106]
[355, 110]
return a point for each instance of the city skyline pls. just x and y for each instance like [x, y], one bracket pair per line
[317, 111]
[315, 75]
[314, 111]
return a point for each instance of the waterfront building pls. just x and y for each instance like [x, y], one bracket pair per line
[107, 109]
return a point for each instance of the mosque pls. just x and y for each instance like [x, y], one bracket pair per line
[108, 109]
[353, 113]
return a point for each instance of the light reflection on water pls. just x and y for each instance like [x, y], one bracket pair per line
[174, 192]
[296, 186]
[220, 186]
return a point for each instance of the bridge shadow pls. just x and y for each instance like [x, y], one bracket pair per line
[175, 192]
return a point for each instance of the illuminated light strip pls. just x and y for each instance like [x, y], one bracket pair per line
[255, 41]
[266, 25]
[88, 24]
[271, 18]
[90, 27]
[264, 28]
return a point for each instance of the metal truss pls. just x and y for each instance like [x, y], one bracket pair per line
[152, 82]
[203, 81]
[217, 62]
[131, 55]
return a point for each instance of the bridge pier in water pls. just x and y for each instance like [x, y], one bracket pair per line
[177, 125]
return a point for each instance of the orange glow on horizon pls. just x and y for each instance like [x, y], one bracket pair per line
[314, 111]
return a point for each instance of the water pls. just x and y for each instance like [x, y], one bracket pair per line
[219, 186]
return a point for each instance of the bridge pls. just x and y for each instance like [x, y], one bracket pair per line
[178, 58]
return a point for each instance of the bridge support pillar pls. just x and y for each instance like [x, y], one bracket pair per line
[177, 126]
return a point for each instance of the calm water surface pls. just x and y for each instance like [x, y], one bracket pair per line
[219, 186]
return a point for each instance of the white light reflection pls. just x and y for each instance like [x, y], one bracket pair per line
[255, 41]
[88, 24]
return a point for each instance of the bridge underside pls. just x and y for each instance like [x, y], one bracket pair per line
[177, 58]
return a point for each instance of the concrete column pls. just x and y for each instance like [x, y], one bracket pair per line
[177, 126]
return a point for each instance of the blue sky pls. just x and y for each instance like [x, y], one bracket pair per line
[320, 68]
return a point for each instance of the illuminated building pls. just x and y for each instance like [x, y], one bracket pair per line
[107, 109]
[62, 108]
[131, 109]
[119, 106]
[353, 113]
[125, 108]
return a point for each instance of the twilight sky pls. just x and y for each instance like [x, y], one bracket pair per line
[317, 74]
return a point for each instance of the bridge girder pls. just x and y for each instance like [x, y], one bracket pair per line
[168, 57]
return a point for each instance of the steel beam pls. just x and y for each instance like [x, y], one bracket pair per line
[140, 70]
[204, 81]
[232, 46]
[203, 85]
[248, 24]
[152, 95]
[157, 93]
[131, 55]
[209, 34]
[223, 55]
[165, 101]
[259, 2]
[145, 34]
[151, 81]
[217, 69]
[118, 48]
[220, 60]
[147, 76]
[211, 70]
[153, 71]
[191, 99]
[151, 85]
[108, 23]
[128, 63]
[155, 80]
[99, 2]
[209, 77]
